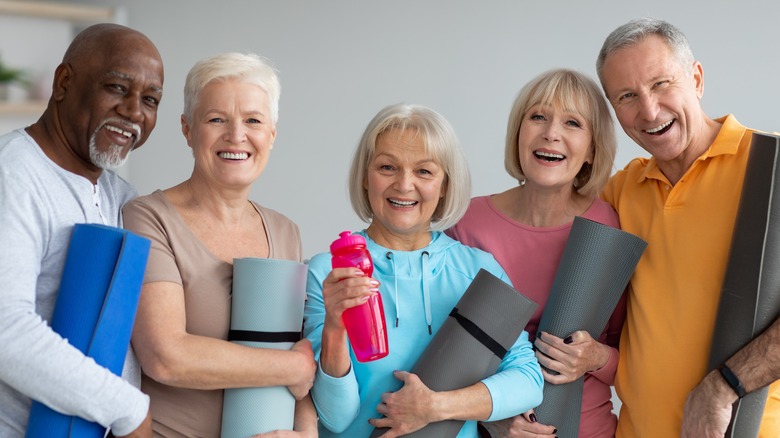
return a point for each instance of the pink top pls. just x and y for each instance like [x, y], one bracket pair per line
[530, 256]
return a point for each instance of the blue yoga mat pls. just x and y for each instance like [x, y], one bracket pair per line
[266, 312]
[95, 310]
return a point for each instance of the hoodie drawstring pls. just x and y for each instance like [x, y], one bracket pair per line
[426, 293]
[389, 256]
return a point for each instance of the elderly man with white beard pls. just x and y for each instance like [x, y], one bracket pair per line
[53, 174]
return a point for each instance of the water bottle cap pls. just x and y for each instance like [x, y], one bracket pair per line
[346, 238]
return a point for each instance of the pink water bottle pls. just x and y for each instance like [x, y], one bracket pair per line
[365, 323]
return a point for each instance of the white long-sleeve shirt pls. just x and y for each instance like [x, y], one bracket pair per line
[39, 204]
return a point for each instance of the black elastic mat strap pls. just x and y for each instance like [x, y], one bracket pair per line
[479, 334]
[252, 336]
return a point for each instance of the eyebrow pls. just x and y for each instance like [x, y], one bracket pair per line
[127, 77]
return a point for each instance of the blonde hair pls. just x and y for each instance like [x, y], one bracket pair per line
[440, 141]
[571, 91]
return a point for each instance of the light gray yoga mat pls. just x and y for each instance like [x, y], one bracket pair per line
[458, 356]
[266, 312]
[595, 268]
[749, 300]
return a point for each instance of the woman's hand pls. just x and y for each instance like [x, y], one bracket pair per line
[571, 357]
[407, 410]
[309, 365]
[342, 289]
[520, 426]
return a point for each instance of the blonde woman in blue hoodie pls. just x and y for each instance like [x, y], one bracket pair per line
[408, 177]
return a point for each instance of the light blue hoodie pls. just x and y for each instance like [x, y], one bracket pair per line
[419, 289]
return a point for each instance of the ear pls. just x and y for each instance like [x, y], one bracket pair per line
[185, 129]
[273, 137]
[698, 79]
[62, 78]
[443, 189]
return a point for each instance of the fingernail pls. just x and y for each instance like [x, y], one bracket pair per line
[374, 283]
[533, 418]
[359, 272]
[538, 335]
[568, 340]
[363, 299]
[555, 431]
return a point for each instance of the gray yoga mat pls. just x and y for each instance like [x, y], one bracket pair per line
[595, 268]
[749, 300]
[266, 312]
[488, 318]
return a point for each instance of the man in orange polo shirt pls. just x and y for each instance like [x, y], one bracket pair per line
[683, 201]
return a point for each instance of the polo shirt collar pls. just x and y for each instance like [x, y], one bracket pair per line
[726, 143]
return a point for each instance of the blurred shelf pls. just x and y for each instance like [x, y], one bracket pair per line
[69, 12]
[22, 108]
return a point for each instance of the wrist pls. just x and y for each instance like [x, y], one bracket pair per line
[731, 380]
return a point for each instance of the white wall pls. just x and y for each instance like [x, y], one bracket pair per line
[341, 61]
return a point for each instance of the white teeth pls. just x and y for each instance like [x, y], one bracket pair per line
[402, 203]
[232, 156]
[111, 128]
[549, 155]
[654, 130]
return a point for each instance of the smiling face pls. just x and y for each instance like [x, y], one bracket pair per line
[404, 185]
[108, 98]
[231, 133]
[656, 100]
[553, 145]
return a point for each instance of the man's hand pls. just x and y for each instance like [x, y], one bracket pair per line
[708, 408]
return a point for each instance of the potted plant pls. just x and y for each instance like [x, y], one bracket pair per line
[10, 76]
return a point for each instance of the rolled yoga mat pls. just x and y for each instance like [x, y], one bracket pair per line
[95, 311]
[266, 312]
[471, 343]
[749, 300]
[595, 268]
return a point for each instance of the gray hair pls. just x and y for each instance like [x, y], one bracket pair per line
[635, 31]
[249, 68]
[440, 141]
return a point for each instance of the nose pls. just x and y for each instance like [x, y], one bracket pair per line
[648, 107]
[552, 132]
[236, 132]
[404, 182]
[130, 108]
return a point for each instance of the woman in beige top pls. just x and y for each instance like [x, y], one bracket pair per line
[197, 228]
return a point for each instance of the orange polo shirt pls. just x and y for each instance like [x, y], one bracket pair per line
[675, 290]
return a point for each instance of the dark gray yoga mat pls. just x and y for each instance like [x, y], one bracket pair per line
[455, 358]
[749, 300]
[595, 268]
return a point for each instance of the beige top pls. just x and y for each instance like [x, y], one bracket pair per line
[178, 256]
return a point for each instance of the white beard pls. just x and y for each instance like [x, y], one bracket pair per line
[107, 160]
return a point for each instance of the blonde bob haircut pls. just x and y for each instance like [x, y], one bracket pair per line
[247, 68]
[574, 92]
[440, 142]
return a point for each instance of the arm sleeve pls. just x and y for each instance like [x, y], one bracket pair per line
[337, 399]
[37, 362]
[517, 386]
[142, 219]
